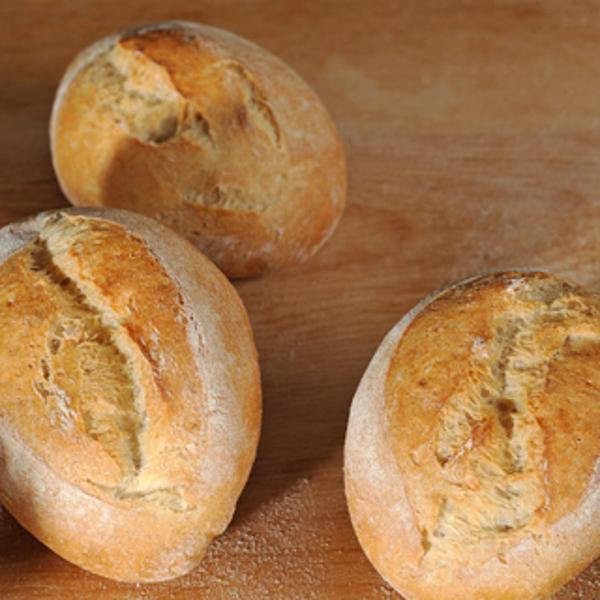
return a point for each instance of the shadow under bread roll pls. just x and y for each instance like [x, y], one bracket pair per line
[207, 133]
[130, 400]
[472, 456]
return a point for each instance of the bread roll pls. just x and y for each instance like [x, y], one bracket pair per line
[472, 452]
[209, 134]
[129, 396]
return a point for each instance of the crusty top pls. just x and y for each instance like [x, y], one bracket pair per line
[482, 407]
[100, 377]
[207, 133]
[130, 395]
[488, 391]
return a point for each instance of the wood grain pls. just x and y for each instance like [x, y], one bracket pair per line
[473, 138]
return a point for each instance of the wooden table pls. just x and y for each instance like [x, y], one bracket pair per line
[473, 138]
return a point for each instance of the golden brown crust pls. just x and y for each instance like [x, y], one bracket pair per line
[472, 464]
[130, 404]
[207, 133]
